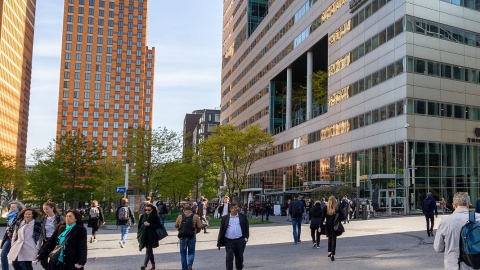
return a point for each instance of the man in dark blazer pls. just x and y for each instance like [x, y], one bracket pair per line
[233, 234]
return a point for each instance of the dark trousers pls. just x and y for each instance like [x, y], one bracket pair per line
[315, 236]
[149, 255]
[332, 244]
[430, 222]
[235, 247]
[22, 265]
[267, 214]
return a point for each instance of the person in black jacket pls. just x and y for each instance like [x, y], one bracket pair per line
[316, 223]
[96, 220]
[71, 231]
[329, 213]
[233, 235]
[147, 235]
[429, 208]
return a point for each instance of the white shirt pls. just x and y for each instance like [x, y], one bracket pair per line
[234, 231]
[225, 209]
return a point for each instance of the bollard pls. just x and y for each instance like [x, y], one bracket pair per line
[364, 213]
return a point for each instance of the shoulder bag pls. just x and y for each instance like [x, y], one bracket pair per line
[161, 232]
[337, 225]
[55, 253]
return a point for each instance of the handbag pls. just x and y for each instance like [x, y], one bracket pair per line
[55, 253]
[161, 232]
[337, 225]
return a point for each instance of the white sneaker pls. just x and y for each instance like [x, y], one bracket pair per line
[94, 240]
[121, 244]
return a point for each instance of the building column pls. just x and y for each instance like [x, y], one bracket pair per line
[288, 123]
[309, 84]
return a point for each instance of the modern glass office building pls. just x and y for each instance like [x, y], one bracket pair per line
[393, 85]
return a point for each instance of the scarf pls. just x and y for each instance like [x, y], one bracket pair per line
[11, 216]
[62, 238]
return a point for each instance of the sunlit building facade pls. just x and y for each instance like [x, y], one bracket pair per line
[107, 71]
[17, 20]
[402, 100]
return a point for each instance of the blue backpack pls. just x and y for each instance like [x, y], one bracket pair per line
[470, 243]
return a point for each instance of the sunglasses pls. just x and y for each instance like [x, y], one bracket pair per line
[148, 210]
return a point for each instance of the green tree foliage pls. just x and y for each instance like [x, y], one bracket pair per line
[235, 151]
[319, 91]
[12, 175]
[112, 176]
[178, 180]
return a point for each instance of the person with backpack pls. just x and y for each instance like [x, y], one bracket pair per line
[125, 219]
[429, 208]
[49, 222]
[162, 210]
[447, 237]
[296, 212]
[95, 220]
[188, 225]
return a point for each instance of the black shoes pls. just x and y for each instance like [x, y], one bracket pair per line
[332, 258]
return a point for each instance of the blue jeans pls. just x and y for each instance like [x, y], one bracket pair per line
[162, 218]
[124, 230]
[297, 229]
[267, 214]
[187, 244]
[5, 250]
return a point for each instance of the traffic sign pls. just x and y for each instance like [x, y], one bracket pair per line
[121, 189]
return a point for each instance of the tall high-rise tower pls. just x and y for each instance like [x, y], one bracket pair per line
[107, 71]
[17, 19]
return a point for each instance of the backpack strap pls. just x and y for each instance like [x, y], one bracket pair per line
[471, 216]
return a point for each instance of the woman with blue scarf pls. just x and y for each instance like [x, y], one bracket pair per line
[15, 208]
[71, 232]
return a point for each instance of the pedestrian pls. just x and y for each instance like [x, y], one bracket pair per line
[287, 209]
[297, 210]
[24, 240]
[224, 208]
[162, 210]
[447, 237]
[147, 235]
[268, 208]
[125, 219]
[308, 206]
[73, 256]
[257, 209]
[141, 207]
[202, 213]
[316, 224]
[477, 206]
[49, 223]
[233, 235]
[429, 208]
[245, 209]
[251, 207]
[329, 212]
[345, 204]
[14, 209]
[95, 220]
[195, 207]
[188, 225]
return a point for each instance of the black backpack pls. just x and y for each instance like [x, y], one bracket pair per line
[297, 209]
[186, 229]
[426, 206]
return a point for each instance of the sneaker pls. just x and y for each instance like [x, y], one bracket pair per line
[189, 267]
[295, 243]
[121, 244]
[314, 245]
[94, 240]
[299, 240]
[318, 246]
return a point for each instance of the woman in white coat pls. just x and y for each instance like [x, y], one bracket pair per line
[24, 240]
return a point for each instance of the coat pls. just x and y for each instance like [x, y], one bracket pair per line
[95, 222]
[75, 251]
[316, 214]
[147, 235]
[43, 233]
[24, 241]
[224, 225]
[329, 222]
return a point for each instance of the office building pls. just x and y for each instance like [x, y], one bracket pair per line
[199, 125]
[17, 21]
[190, 122]
[403, 95]
[107, 71]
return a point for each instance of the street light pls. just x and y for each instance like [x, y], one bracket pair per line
[262, 180]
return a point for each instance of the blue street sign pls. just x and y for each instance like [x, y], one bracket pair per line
[121, 189]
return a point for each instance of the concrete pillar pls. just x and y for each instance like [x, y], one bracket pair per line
[309, 84]
[288, 123]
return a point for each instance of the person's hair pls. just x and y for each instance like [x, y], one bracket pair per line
[154, 209]
[94, 203]
[35, 214]
[76, 214]
[461, 199]
[429, 194]
[124, 201]
[187, 207]
[233, 204]
[52, 205]
[332, 205]
[149, 198]
[19, 205]
[317, 202]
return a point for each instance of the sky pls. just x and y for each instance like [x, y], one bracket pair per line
[187, 36]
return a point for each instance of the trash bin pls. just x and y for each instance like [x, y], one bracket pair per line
[364, 213]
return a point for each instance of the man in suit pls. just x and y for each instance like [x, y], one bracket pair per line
[233, 234]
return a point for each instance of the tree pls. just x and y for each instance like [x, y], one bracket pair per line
[235, 151]
[12, 175]
[178, 180]
[112, 175]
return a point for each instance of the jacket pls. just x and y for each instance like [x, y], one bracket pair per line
[125, 222]
[75, 250]
[447, 238]
[197, 224]
[220, 208]
[96, 221]
[316, 214]
[24, 241]
[150, 234]
[329, 222]
[224, 225]
[43, 233]
[433, 206]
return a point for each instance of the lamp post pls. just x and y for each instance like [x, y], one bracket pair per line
[263, 195]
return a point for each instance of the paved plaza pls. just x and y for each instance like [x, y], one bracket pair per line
[379, 243]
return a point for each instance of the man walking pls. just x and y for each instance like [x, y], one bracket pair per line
[346, 208]
[224, 208]
[233, 234]
[268, 208]
[202, 213]
[125, 219]
[447, 238]
[296, 212]
[188, 225]
[162, 210]
[429, 208]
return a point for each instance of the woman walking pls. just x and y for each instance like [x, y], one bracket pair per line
[15, 208]
[71, 232]
[49, 223]
[96, 220]
[330, 212]
[287, 209]
[24, 240]
[147, 235]
[317, 217]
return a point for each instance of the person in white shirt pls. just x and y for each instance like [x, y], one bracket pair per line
[224, 208]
